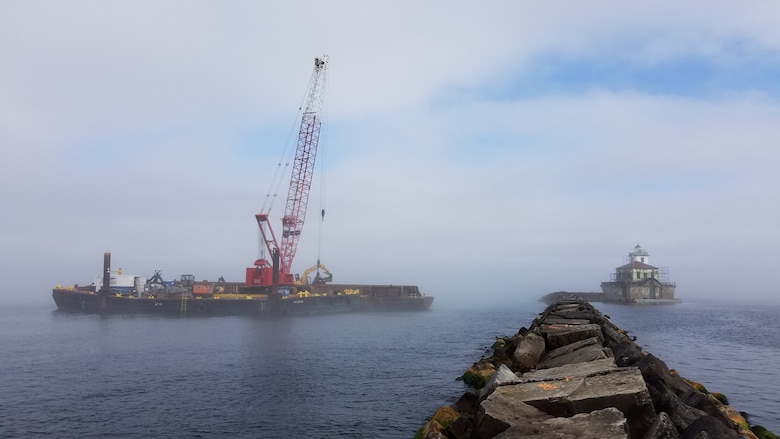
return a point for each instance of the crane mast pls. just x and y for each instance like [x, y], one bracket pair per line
[303, 166]
[261, 275]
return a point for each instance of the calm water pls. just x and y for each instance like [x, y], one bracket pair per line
[353, 375]
[730, 348]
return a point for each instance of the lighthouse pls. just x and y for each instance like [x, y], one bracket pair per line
[638, 282]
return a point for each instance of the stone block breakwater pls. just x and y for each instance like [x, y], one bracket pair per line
[574, 374]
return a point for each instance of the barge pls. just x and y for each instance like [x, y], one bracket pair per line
[87, 300]
[270, 288]
[115, 292]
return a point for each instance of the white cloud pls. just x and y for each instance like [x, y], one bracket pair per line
[150, 130]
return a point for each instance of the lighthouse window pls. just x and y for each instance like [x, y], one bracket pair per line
[643, 259]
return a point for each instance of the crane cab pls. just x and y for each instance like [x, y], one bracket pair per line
[262, 275]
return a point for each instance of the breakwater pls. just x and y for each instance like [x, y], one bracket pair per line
[563, 295]
[575, 374]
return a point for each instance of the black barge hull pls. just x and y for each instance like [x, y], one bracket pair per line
[382, 297]
[84, 301]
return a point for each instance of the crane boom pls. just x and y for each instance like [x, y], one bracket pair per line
[261, 275]
[303, 166]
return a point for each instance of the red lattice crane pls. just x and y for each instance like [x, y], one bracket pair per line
[261, 276]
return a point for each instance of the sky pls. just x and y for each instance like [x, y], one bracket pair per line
[488, 154]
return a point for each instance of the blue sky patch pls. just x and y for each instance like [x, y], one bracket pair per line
[740, 70]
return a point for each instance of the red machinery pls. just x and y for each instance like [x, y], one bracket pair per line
[262, 275]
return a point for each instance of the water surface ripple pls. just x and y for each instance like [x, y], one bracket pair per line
[354, 375]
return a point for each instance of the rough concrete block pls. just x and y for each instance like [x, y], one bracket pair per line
[571, 370]
[555, 319]
[626, 352]
[561, 335]
[680, 414]
[500, 411]
[528, 352]
[553, 353]
[503, 375]
[573, 311]
[622, 388]
[566, 304]
[662, 428]
[468, 403]
[585, 354]
[711, 427]
[608, 423]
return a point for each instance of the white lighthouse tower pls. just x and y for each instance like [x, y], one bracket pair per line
[639, 255]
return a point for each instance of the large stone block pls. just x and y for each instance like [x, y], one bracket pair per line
[608, 423]
[479, 373]
[591, 352]
[500, 411]
[552, 353]
[555, 319]
[566, 304]
[680, 414]
[503, 375]
[442, 418]
[528, 352]
[574, 310]
[711, 427]
[626, 352]
[621, 388]
[561, 335]
[662, 428]
[570, 370]
[468, 402]
[571, 347]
